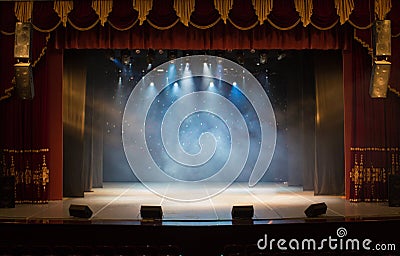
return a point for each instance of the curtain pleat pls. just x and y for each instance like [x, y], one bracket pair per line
[63, 8]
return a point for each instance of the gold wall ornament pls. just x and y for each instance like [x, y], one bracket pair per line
[344, 8]
[103, 9]
[143, 7]
[45, 173]
[184, 9]
[23, 10]
[63, 8]
[223, 7]
[262, 9]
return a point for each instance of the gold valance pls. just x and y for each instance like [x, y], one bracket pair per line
[23, 10]
[382, 7]
[344, 8]
[184, 9]
[102, 8]
[143, 7]
[262, 8]
[304, 8]
[62, 8]
[223, 7]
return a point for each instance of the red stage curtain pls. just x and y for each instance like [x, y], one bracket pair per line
[375, 141]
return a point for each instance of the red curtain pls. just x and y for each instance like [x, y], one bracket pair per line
[372, 131]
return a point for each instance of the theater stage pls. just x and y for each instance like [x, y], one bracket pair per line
[272, 202]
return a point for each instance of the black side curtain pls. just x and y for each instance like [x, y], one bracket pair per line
[329, 125]
[82, 134]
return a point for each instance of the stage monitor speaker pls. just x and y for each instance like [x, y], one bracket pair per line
[315, 210]
[22, 43]
[24, 80]
[242, 212]
[379, 79]
[151, 212]
[7, 192]
[381, 38]
[394, 190]
[80, 211]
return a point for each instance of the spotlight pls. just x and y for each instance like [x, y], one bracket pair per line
[172, 54]
[126, 57]
[240, 58]
[150, 59]
[281, 56]
[263, 58]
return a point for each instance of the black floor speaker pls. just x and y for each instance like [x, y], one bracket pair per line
[394, 190]
[80, 211]
[315, 210]
[242, 212]
[7, 192]
[151, 212]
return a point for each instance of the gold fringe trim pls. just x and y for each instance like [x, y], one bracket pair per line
[393, 90]
[327, 28]
[7, 33]
[206, 26]
[281, 28]
[46, 30]
[363, 149]
[43, 51]
[83, 29]
[243, 28]
[26, 150]
[364, 44]
[163, 28]
[123, 29]
[362, 28]
[396, 35]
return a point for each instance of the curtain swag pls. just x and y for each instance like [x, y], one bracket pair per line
[123, 15]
